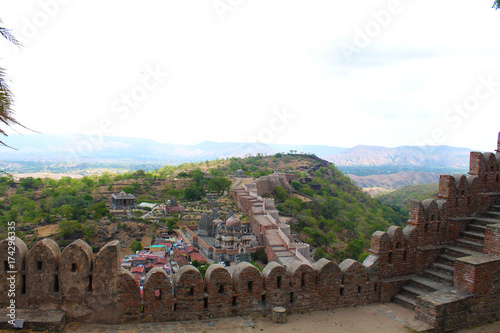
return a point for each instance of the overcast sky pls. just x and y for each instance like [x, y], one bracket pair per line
[331, 72]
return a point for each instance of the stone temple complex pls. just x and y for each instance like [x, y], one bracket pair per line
[445, 264]
[222, 240]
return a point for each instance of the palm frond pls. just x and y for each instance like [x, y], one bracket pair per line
[6, 33]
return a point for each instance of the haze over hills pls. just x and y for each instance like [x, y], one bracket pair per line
[436, 156]
[358, 161]
[395, 180]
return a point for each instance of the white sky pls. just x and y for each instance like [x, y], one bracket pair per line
[232, 64]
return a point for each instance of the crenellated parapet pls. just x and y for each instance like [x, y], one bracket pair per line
[94, 289]
[394, 251]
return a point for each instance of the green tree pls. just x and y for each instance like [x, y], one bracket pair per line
[496, 4]
[135, 246]
[194, 193]
[172, 224]
[280, 193]
[197, 175]
[219, 184]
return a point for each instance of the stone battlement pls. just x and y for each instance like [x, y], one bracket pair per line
[96, 289]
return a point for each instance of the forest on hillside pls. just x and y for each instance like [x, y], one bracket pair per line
[327, 210]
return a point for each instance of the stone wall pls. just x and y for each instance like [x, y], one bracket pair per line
[96, 289]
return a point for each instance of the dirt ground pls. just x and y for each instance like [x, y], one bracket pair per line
[47, 230]
[381, 317]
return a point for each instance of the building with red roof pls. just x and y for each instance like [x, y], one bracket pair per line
[137, 269]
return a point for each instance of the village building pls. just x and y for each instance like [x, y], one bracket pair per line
[172, 206]
[122, 200]
[239, 174]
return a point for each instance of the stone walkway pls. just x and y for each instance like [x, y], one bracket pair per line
[234, 324]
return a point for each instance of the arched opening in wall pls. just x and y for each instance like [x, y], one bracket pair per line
[23, 284]
[39, 265]
[375, 287]
[157, 294]
[404, 255]
[91, 283]
[398, 245]
[56, 283]
[235, 301]
[468, 201]
[291, 297]
[433, 217]
[497, 178]
[341, 291]
[303, 280]
[220, 289]
[389, 258]
[205, 303]
[174, 307]
[250, 286]
[278, 282]
[263, 299]
[426, 226]
[359, 290]
[190, 291]
[462, 192]
[74, 267]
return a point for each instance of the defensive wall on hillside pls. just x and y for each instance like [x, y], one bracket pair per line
[94, 288]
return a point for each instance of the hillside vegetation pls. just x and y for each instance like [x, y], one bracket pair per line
[326, 209]
[400, 198]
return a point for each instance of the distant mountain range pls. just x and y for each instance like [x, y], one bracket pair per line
[85, 149]
[396, 180]
[436, 156]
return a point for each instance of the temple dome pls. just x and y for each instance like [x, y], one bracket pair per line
[233, 222]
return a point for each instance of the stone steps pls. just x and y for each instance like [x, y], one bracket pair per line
[438, 276]
[492, 214]
[426, 284]
[486, 220]
[405, 301]
[476, 228]
[495, 207]
[469, 244]
[448, 269]
[446, 259]
[473, 235]
[458, 252]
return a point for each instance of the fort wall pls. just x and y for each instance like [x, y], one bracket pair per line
[94, 288]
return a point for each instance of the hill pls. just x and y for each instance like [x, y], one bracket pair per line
[401, 197]
[411, 158]
[328, 211]
[396, 180]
